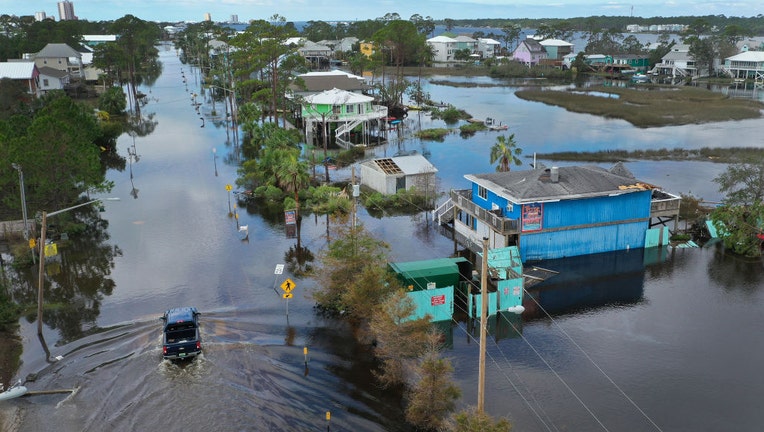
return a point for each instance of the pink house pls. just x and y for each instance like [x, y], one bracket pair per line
[529, 52]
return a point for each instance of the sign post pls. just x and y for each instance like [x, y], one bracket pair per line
[229, 188]
[288, 285]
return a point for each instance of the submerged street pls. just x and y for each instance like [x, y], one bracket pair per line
[631, 341]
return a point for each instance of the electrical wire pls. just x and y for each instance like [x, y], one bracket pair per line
[612, 382]
[588, 357]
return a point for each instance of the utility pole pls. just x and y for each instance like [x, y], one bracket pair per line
[41, 269]
[355, 191]
[23, 200]
[483, 325]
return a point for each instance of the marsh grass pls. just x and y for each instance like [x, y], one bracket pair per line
[436, 134]
[651, 106]
[707, 154]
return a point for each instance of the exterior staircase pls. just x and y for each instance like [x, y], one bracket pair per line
[444, 214]
[347, 127]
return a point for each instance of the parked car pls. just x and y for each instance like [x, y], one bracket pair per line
[181, 338]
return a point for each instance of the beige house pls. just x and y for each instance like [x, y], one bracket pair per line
[62, 57]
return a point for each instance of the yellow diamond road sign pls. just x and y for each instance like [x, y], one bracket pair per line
[287, 295]
[287, 285]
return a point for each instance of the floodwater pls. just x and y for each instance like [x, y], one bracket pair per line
[630, 341]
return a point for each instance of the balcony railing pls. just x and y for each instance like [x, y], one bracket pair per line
[504, 226]
[665, 205]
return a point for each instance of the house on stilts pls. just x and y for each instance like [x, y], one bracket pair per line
[560, 212]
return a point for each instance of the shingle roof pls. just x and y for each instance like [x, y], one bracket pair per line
[574, 182]
[533, 46]
[57, 50]
[51, 72]
[320, 81]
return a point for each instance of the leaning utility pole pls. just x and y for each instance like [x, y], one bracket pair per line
[483, 325]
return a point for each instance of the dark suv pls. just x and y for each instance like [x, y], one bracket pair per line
[181, 338]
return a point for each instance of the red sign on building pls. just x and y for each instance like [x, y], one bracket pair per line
[438, 300]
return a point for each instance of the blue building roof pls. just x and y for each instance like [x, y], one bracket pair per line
[573, 182]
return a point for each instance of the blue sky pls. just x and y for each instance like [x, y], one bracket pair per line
[347, 10]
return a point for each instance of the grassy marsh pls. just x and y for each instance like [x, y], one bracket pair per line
[650, 106]
[707, 154]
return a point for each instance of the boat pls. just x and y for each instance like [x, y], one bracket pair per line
[491, 124]
[640, 78]
[15, 391]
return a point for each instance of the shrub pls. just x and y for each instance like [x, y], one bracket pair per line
[436, 134]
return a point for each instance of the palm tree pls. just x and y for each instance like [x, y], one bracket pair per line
[292, 175]
[505, 151]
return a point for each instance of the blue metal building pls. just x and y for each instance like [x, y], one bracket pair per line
[559, 212]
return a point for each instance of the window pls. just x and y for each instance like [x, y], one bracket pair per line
[482, 192]
[350, 109]
[45, 82]
[336, 109]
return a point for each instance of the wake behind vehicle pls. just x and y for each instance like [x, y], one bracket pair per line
[180, 336]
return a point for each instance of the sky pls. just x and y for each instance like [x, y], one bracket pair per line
[350, 10]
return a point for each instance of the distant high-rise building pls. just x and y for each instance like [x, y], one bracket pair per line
[235, 19]
[207, 16]
[40, 16]
[66, 11]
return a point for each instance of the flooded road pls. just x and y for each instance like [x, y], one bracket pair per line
[677, 333]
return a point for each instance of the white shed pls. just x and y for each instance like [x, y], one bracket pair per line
[388, 175]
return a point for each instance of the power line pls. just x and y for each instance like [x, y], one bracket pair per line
[594, 363]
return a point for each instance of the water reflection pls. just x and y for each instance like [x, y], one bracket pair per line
[78, 278]
[666, 327]
[602, 280]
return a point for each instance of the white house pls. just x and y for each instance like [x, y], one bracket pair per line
[389, 175]
[52, 79]
[746, 65]
[678, 63]
[488, 48]
[443, 48]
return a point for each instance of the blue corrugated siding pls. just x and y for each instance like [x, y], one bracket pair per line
[492, 198]
[597, 210]
[560, 244]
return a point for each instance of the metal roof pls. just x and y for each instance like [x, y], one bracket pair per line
[574, 182]
[555, 42]
[337, 97]
[751, 56]
[406, 165]
[17, 70]
[414, 164]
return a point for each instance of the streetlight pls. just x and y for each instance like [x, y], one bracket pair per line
[215, 159]
[23, 200]
[43, 229]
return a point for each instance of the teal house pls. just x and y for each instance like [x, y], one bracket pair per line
[433, 285]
